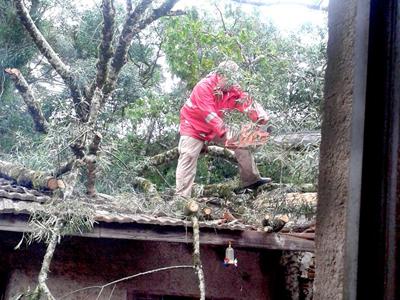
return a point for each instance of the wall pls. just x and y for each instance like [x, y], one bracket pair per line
[341, 151]
[82, 262]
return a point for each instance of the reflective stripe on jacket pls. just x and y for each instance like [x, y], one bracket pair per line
[201, 115]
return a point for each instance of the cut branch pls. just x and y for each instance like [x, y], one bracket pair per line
[28, 178]
[191, 208]
[47, 51]
[173, 154]
[34, 108]
[147, 187]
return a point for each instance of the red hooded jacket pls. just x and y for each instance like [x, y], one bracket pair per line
[201, 116]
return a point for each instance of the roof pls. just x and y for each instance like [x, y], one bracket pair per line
[17, 203]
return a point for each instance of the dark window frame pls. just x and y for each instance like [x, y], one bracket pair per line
[373, 267]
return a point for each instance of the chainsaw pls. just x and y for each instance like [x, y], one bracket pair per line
[248, 136]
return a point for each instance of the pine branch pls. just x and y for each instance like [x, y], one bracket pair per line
[47, 51]
[34, 108]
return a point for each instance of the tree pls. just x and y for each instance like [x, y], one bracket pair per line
[89, 95]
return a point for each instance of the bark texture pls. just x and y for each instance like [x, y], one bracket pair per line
[105, 48]
[44, 271]
[47, 51]
[196, 257]
[34, 108]
[134, 23]
[28, 178]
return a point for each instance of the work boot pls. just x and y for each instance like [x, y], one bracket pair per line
[254, 186]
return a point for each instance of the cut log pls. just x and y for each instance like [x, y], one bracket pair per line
[147, 187]
[29, 178]
[54, 183]
[266, 221]
[227, 216]
[276, 224]
[191, 208]
[207, 213]
[221, 190]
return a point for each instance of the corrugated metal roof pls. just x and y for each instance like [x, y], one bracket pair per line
[20, 200]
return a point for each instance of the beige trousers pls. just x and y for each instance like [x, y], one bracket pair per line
[189, 151]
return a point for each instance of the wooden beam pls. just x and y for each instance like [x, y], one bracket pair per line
[176, 234]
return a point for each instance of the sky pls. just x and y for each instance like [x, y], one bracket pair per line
[286, 17]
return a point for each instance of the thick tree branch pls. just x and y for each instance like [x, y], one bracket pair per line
[42, 278]
[71, 180]
[173, 154]
[64, 168]
[33, 106]
[196, 257]
[297, 140]
[28, 178]
[147, 187]
[120, 56]
[90, 160]
[105, 48]
[133, 25]
[317, 6]
[163, 10]
[47, 51]
[128, 6]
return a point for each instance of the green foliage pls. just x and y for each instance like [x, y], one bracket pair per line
[75, 216]
[284, 72]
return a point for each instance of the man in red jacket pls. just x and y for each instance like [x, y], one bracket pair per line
[201, 121]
